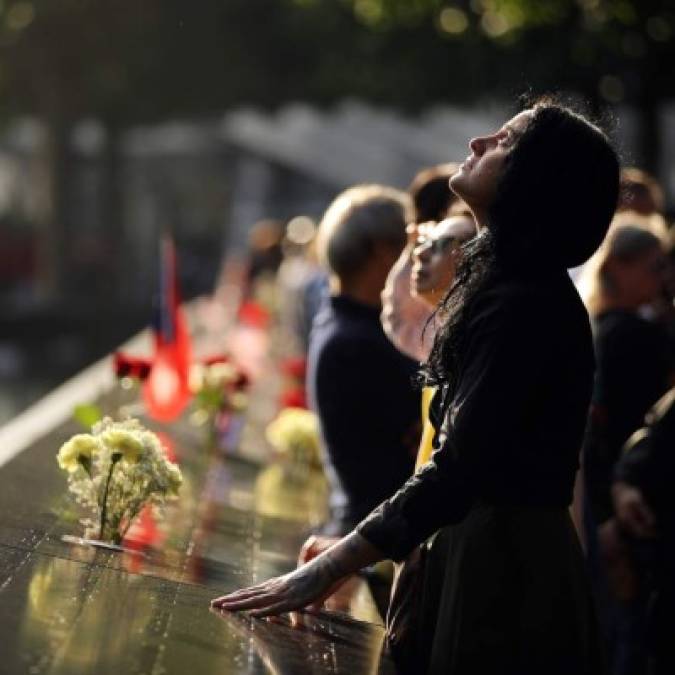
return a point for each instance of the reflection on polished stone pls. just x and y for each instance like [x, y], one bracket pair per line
[310, 644]
[72, 608]
[301, 495]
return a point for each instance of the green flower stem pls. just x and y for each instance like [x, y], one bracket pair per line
[104, 509]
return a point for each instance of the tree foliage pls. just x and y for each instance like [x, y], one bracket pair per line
[609, 48]
[137, 60]
[128, 61]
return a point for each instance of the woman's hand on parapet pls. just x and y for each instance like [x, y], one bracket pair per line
[310, 584]
[295, 590]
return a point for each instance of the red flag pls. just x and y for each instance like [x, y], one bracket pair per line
[166, 391]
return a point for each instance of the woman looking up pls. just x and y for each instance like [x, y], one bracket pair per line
[513, 365]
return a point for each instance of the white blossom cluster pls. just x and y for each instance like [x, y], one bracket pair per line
[114, 472]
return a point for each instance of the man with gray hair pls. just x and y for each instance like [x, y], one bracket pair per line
[359, 385]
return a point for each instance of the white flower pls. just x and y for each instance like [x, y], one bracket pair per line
[175, 478]
[126, 468]
[196, 377]
[220, 375]
[124, 442]
[77, 452]
[238, 400]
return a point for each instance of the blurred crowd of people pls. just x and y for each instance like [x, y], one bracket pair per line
[357, 298]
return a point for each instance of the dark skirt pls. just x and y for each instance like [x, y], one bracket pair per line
[504, 593]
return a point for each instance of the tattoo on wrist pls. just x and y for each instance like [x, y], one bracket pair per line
[332, 568]
[338, 563]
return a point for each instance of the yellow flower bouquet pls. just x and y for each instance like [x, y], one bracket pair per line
[294, 433]
[294, 487]
[114, 472]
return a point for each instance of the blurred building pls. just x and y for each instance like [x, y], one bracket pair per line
[210, 181]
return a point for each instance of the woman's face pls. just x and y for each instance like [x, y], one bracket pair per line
[478, 177]
[435, 258]
[640, 281]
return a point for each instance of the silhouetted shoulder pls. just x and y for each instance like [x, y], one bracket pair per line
[539, 306]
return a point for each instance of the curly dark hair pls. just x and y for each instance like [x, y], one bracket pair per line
[552, 209]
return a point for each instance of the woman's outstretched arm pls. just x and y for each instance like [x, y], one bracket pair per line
[304, 586]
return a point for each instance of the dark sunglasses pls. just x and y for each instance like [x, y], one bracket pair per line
[442, 244]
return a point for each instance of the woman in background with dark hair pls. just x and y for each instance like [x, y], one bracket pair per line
[513, 364]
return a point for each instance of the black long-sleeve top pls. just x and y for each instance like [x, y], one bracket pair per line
[633, 367]
[649, 462]
[362, 389]
[516, 422]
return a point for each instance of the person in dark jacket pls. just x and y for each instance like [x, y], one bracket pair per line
[633, 357]
[513, 366]
[359, 385]
[633, 353]
[642, 493]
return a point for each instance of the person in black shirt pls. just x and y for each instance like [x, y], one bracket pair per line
[513, 366]
[642, 493]
[359, 385]
[633, 353]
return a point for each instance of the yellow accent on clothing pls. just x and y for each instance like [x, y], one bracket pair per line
[425, 449]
